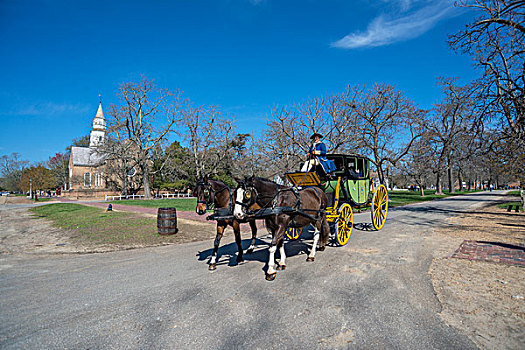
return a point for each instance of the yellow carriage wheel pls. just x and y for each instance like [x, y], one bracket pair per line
[379, 207]
[344, 224]
[294, 233]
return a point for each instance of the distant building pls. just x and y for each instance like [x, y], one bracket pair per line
[86, 165]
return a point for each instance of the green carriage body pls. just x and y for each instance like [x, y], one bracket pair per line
[354, 174]
[347, 187]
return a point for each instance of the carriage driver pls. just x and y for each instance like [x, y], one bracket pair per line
[317, 155]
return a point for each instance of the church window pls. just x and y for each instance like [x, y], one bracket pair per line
[87, 179]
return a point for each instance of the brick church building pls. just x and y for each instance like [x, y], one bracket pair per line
[86, 165]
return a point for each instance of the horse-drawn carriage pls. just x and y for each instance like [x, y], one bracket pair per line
[316, 198]
[349, 186]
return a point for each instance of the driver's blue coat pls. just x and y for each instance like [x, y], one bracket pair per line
[328, 165]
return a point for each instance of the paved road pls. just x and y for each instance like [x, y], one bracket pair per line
[373, 293]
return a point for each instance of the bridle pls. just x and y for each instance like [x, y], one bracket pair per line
[209, 194]
[250, 196]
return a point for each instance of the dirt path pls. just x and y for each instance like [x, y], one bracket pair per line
[485, 300]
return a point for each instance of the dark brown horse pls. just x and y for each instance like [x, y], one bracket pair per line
[215, 193]
[292, 208]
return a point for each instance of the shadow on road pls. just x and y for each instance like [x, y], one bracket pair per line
[227, 254]
[364, 226]
[435, 210]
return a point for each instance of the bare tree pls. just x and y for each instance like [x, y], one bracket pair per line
[142, 122]
[120, 157]
[450, 123]
[11, 168]
[378, 122]
[417, 165]
[287, 138]
[496, 42]
[208, 133]
[59, 166]
[385, 123]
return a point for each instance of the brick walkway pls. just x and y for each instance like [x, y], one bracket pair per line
[137, 209]
[188, 215]
[491, 251]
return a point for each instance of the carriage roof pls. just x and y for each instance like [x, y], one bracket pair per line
[347, 156]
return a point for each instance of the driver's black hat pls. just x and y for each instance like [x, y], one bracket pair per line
[316, 134]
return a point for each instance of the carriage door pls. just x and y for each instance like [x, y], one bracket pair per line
[352, 185]
[363, 185]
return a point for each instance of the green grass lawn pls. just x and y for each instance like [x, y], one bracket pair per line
[514, 199]
[513, 204]
[397, 198]
[96, 226]
[182, 204]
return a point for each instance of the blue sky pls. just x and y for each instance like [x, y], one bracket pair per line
[242, 55]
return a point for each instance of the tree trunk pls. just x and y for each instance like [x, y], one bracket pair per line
[460, 181]
[145, 179]
[380, 175]
[451, 188]
[124, 169]
[124, 182]
[438, 184]
[421, 189]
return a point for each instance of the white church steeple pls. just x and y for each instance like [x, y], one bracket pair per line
[99, 129]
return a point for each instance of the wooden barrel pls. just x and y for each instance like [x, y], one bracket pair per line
[167, 221]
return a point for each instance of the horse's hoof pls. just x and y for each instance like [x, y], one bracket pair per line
[212, 267]
[239, 260]
[321, 248]
[271, 276]
[281, 267]
[310, 259]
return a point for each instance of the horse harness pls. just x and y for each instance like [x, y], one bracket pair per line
[210, 193]
[252, 195]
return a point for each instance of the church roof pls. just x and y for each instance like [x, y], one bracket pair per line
[99, 112]
[86, 156]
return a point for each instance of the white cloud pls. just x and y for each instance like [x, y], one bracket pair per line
[388, 29]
